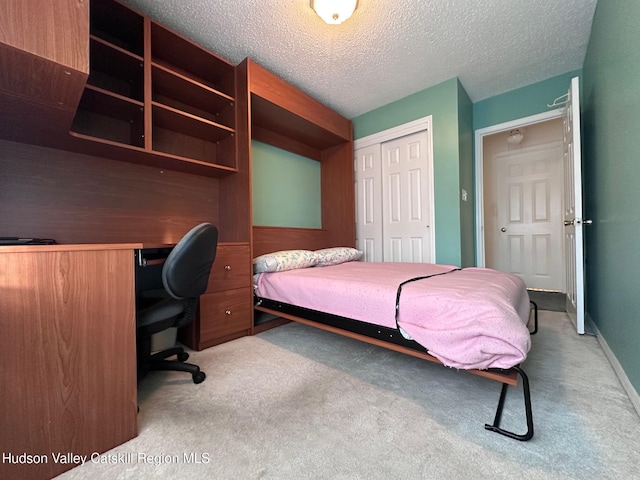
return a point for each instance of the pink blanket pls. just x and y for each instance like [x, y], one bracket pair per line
[469, 318]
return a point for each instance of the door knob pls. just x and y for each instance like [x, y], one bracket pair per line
[568, 223]
[503, 229]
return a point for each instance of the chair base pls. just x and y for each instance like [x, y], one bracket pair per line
[158, 361]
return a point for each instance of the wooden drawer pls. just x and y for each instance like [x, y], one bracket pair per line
[231, 268]
[223, 315]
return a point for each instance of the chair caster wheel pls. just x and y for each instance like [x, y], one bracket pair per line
[183, 356]
[199, 377]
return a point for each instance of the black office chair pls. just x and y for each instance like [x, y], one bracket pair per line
[185, 275]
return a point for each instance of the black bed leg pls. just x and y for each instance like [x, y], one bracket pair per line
[535, 317]
[527, 407]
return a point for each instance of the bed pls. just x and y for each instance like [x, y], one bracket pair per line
[472, 319]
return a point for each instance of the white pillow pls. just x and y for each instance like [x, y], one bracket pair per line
[336, 255]
[284, 260]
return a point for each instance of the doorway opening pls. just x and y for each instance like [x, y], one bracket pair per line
[519, 203]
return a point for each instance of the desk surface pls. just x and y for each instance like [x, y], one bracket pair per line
[69, 247]
[79, 247]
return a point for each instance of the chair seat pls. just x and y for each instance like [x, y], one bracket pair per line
[154, 317]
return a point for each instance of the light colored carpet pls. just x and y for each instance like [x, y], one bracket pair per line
[549, 300]
[300, 403]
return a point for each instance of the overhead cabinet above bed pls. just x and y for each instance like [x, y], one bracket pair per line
[287, 118]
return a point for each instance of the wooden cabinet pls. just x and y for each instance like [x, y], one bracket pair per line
[155, 97]
[68, 379]
[284, 117]
[44, 63]
[224, 316]
[225, 310]
[232, 267]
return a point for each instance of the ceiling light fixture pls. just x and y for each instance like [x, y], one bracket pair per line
[334, 12]
[515, 137]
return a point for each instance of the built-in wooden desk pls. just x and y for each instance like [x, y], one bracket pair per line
[225, 309]
[68, 374]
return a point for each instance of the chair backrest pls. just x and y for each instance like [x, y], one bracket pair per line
[186, 270]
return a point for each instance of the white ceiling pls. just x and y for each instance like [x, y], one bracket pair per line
[390, 48]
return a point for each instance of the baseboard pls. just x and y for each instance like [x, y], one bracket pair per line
[617, 368]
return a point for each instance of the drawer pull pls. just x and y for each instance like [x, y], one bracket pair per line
[227, 312]
[227, 267]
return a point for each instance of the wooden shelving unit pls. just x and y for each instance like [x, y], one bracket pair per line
[110, 116]
[151, 91]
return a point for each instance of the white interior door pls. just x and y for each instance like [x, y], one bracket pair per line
[407, 199]
[368, 193]
[573, 215]
[525, 237]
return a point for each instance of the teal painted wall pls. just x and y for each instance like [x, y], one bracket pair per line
[286, 188]
[467, 179]
[611, 115]
[440, 101]
[522, 102]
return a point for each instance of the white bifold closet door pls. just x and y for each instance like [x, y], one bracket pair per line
[394, 200]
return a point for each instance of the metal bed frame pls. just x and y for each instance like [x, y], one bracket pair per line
[392, 339]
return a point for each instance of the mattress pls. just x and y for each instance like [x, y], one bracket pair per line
[471, 318]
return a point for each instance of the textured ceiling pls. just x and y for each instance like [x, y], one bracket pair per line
[390, 48]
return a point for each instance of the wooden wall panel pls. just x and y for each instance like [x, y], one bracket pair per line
[338, 195]
[235, 189]
[272, 239]
[76, 198]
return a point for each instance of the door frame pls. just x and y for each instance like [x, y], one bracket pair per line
[479, 162]
[403, 130]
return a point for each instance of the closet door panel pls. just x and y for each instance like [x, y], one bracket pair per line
[368, 192]
[394, 195]
[406, 182]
